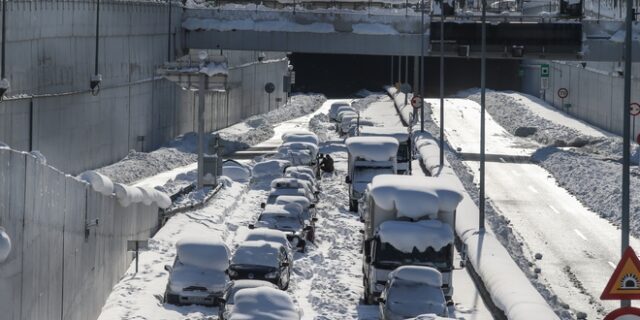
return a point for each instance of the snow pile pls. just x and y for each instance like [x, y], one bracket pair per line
[182, 151]
[319, 124]
[98, 182]
[392, 193]
[127, 195]
[269, 168]
[418, 274]
[203, 252]
[264, 303]
[372, 148]
[406, 236]
[257, 253]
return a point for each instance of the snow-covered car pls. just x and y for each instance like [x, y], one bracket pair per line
[270, 235]
[336, 107]
[261, 260]
[236, 171]
[309, 209]
[269, 169]
[303, 176]
[291, 187]
[345, 121]
[300, 136]
[355, 126]
[199, 272]
[299, 153]
[264, 303]
[336, 115]
[227, 302]
[288, 219]
[412, 291]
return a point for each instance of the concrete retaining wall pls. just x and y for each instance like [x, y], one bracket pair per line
[50, 59]
[55, 270]
[595, 90]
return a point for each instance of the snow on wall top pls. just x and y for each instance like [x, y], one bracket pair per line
[399, 133]
[405, 235]
[204, 252]
[372, 148]
[257, 252]
[263, 303]
[419, 274]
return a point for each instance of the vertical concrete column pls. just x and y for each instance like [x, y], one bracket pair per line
[416, 72]
[399, 68]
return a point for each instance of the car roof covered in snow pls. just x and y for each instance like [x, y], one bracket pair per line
[289, 183]
[393, 190]
[400, 133]
[284, 209]
[419, 274]
[269, 168]
[372, 148]
[299, 145]
[251, 283]
[302, 169]
[302, 201]
[208, 252]
[266, 235]
[257, 253]
[263, 303]
[300, 136]
[423, 234]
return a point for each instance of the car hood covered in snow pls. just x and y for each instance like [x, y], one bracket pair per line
[264, 303]
[185, 278]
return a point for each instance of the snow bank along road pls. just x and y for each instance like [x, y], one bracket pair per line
[326, 280]
[578, 248]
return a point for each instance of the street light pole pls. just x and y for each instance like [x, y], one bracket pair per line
[441, 83]
[626, 136]
[422, 65]
[201, 90]
[483, 62]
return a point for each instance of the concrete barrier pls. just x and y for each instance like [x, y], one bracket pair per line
[59, 268]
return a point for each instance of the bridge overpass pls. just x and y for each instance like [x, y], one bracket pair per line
[393, 31]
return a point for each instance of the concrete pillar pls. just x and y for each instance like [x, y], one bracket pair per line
[399, 69]
[416, 73]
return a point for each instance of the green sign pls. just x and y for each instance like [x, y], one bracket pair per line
[544, 71]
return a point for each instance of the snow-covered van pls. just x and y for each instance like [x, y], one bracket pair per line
[368, 157]
[408, 220]
[336, 107]
[404, 139]
[199, 272]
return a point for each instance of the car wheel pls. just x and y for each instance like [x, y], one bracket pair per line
[171, 299]
[353, 205]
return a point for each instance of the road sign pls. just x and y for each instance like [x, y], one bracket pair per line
[625, 280]
[627, 313]
[136, 246]
[293, 77]
[563, 93]
[544, 83]
[416, 101]
[405, 88]
[544, 71]
[269, 87]
[634, 109]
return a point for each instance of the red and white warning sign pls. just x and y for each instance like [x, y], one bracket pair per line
[625, 280]
[628, 313]
[417, 101]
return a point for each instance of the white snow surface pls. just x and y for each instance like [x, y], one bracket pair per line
[203, 252]
[373, 28]
[423, 234]
[264, 303]
[392, 193]
[399, 133]
[98, 182]
[418, 274]
[257, 25]
[372, 148]
[236, 172]
[257, 252]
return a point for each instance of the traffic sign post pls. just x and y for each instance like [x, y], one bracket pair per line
[562, 94]
[544, 79]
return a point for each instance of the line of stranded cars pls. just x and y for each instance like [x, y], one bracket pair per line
[249, 283]
[409, 222]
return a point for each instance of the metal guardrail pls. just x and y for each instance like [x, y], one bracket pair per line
[165, 215]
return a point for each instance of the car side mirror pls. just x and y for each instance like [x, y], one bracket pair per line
[347, 180]
[311, 206]
[285, 264]
[263, 205]
[380, 300]
[168, 268]
[252, 226]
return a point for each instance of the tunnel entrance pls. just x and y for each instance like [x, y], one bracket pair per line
[343, 75]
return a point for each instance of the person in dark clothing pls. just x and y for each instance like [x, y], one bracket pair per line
[327, 164]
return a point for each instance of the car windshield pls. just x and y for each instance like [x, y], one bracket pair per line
[389, 257]
[410, 299]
